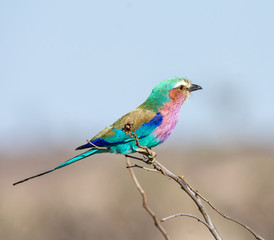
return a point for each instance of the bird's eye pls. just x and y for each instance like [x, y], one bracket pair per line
[181, 87]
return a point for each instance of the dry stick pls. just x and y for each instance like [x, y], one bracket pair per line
[192, 193]
[223, 215]
[186, 215]
[144, 168]
[142, 192]
[184, 186]
[183, 182]
[194, 197]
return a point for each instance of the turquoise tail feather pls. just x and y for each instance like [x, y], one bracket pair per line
[78, 157]
[68, 162]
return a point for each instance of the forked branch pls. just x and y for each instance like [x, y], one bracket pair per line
[149, 158]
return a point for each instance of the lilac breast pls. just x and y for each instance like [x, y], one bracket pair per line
[170, 112]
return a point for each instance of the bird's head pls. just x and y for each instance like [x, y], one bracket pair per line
[176, 90]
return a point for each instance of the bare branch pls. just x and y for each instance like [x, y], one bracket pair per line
[142, 192]
[136, 158]
[194, 197]
[186, 215]
[149, 158]
[145, 168]
[223, 215]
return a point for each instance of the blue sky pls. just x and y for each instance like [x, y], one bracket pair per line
[70, 68]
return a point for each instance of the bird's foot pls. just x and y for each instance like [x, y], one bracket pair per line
[148, 154]
[151, 156]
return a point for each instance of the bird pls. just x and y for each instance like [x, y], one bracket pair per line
[152, 123]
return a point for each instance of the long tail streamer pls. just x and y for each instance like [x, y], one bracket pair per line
[68, 162]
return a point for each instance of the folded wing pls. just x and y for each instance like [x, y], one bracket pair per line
[144, 123]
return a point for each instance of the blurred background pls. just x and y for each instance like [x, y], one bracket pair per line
[70, 68]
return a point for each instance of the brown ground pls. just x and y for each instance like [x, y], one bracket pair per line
[96, 198]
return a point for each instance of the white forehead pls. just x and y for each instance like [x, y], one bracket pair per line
[183, 82]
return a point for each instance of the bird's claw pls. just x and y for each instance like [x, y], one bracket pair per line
[148, 154]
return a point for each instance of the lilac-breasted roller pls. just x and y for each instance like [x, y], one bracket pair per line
[153, 121]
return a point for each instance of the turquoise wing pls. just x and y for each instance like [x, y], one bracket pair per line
[144, 123]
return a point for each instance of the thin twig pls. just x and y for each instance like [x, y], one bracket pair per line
[186, 215]
[142, 192]
[191, 193]
[222, 214]
[145, 168]
[196, 197]
[136, 158]
[208, 202]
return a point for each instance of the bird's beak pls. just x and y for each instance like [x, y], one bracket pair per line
[194, 87]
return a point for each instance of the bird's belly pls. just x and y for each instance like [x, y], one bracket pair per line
[149, 141]
[123, 148]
